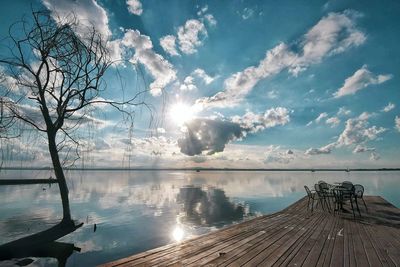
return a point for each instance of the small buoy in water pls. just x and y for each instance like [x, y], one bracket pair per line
[94, 228]
[43, 188]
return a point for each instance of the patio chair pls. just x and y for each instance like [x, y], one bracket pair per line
[311, 198]
[359, 193]
[328, 194]
[322, 196]
[349, 195]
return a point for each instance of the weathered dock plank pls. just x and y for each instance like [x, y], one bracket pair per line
[291, 237]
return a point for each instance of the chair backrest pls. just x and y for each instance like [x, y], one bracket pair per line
[308, 191]
[318, 190]
[358, 190]
[323, 185]
[347, 185]
[350, 187]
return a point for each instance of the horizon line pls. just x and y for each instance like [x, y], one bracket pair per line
[200, 169]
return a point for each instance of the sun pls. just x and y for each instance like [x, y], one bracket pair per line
[181, 113]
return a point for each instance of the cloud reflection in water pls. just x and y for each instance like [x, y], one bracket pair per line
[209, 206]
[137, 211]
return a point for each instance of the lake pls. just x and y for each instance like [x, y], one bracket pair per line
[139, 210]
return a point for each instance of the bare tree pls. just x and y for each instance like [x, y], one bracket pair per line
[52, 75]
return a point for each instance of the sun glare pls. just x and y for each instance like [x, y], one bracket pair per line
[181, 113]
[178, 234]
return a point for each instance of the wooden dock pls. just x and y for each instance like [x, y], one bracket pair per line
[291, 237]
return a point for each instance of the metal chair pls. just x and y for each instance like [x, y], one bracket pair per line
[359, 192]
[311, 198]
[328, 194]
[322, 197]
[349, 194]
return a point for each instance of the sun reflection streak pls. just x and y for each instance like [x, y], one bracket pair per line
[178, 234]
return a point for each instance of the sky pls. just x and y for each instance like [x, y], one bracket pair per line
[237, 84]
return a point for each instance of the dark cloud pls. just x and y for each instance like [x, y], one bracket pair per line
[208, 135]
[211, 135]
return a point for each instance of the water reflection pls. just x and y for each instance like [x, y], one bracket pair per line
[137, 211]
[208, 207]
[178, 234]
[52, 251]
[40, 245]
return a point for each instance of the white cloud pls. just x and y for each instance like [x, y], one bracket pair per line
[362, 149]
[333, 34]
[321, 116]
[160, 69]
[190, 36]
[135, 7]
[397, 123]
[256, 122]
[374, 156]
[322, 150]
[247, 13]
[161, 130]
[204, 76]
[202, 10]
[278, 157]
[389, 107]
[358, 132]
[168, 43]
[116, 51]
[365, 115]
[361, 79]
[210, 19]
[343, 111]
[272, 94]
[10, 84]
[188, 84]
[88, 12]
[333, 121]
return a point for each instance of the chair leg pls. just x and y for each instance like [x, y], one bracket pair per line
[328, 206]
[366, 209]
[312, 205]
[308, 203]
[358, 209]
[322, 204]
[352, 208]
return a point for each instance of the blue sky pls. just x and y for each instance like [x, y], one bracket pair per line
[252, 84]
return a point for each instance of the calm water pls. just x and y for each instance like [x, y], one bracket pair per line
[139, 210]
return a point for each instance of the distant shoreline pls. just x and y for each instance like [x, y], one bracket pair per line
[207, 169]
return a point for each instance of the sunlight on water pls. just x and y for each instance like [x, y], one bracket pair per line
[178, 234]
